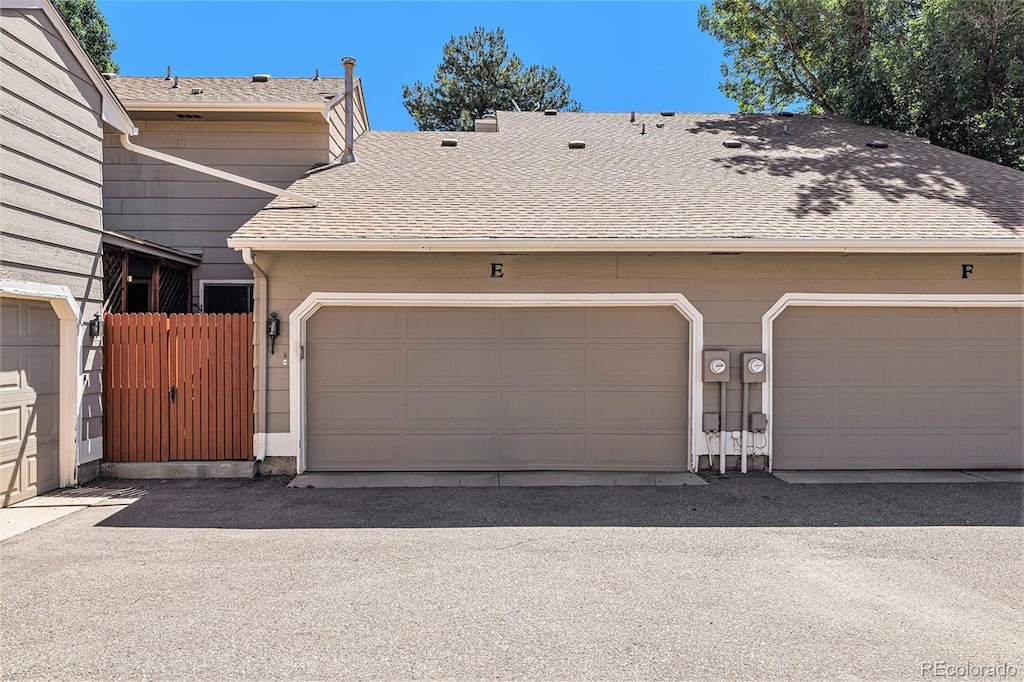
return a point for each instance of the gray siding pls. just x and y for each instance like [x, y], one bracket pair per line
[193, 212]
[731, 291]
[51, 161]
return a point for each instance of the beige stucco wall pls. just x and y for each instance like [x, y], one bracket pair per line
[52, 174]
[732, 291]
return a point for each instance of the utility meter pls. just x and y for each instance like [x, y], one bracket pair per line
[716, 366]
[754, 366]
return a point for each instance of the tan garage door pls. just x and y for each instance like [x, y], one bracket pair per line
[898, 388]
[432, 389]
[29, 382]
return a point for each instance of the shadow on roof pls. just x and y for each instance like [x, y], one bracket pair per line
[835, 164]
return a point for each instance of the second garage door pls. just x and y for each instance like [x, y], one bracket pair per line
[898, 388]
[433, 389]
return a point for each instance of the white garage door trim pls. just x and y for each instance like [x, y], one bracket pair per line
[66, 308]
[860, 300]
[316, 300]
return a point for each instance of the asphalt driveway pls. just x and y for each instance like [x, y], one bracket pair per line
[746, 578]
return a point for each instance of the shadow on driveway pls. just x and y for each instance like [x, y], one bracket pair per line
[752, 500]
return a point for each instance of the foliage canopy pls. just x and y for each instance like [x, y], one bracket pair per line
[948, 70]
[90, 27]
[478, 73]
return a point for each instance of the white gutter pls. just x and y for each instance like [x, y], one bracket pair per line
[726, 245]
[260, 437]
[223, 175]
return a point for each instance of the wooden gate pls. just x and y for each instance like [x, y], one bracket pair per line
[177, 387]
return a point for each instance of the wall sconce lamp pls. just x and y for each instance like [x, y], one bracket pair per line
[95, 326]
[273, 330]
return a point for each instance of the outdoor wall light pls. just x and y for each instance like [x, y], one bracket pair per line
[273, 330]
[95, 326]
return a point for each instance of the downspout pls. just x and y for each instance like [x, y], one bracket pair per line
[262, 295]
[349, 156]
[222, 175]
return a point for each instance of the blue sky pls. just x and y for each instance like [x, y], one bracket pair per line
[617, 56]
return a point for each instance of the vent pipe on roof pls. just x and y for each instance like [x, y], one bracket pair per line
[349, 156]
[175, 83]
[632, 117]
[316, 76]
[168, 73]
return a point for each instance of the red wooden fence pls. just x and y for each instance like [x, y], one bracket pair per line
[177, 387]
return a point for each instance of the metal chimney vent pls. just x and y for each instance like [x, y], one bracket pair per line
[449, 142]
[577, 144]
[175, 85]
[261, 78]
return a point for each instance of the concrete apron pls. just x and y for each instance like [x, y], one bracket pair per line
[38, 511]
[492, 479]
[901, 476]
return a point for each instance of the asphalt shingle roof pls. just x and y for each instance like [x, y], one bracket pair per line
[660, 177]
[225, 90]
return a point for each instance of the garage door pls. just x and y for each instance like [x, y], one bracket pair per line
[486, 389]
[29, 380]
[898, 388]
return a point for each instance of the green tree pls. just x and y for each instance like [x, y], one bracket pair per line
[90, 27]
[478, 73]
[948, 70]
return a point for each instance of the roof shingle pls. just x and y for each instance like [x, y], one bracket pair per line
[660, 177]
[225, 90]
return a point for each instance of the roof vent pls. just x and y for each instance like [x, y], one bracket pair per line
[878, 144]
[732, 144]
[659, 125]
[487, 124]
[316, 76]
[577, 144]
[787, 114]
[261, 78]
[668, 113]
[551, 112]
[449, 142]
[175, 85]
[188, 116]
[168, 74]
[107, 75]
[632, 117]
[196, 91]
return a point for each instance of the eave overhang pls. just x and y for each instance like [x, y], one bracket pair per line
[488, 245]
